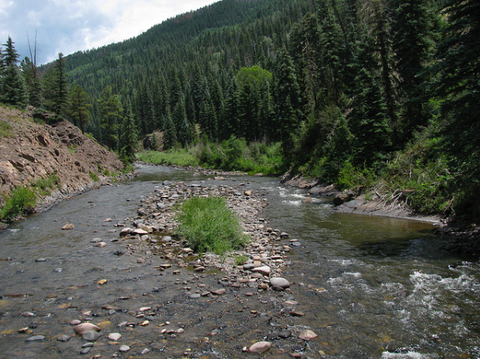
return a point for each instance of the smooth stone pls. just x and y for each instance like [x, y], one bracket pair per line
[308, 335]
[260, 347]
[219, 291]
[58, 270]
[100, 244]
[114, 336]
[75, 322]
[35, 338]
[68, 226]
[194, 296]
[279, 282]
[125, 231]
[88, 345]
[265, 270]
[85, 350]
[40, 260]
[95, 240]
[124, 348]
[64, 338]
[140, 231]
[145, 351]
[91, 335]
[85, 327]
[248, 266]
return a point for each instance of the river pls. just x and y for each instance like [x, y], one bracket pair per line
[369, 287]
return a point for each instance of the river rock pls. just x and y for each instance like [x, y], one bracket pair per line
[68, 226]
[95, 240]
[114, 336]
[308, 335]
[35, 338]
[219, 291]
[100, 244]
[265, 270]
[260, 347]
[125, 231]
[85, 350]
[248, 266]
[64, 338]
[139, 231]
[124, 348]
[279, 283]
[85, 327]
[91, 335]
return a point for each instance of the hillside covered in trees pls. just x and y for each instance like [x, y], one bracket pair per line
[381, 95]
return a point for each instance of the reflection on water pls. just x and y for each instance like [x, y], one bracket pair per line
[369, 287]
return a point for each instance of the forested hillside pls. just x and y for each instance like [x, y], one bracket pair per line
[379, 94]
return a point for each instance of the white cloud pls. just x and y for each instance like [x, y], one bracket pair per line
[68, 26]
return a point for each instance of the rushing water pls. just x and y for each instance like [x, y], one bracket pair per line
[369, 287]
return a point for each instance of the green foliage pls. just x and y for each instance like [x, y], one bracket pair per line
[350, 177]
[45, 185]
[240, 259]
[21, 200]
[5, 129]
[210, 226]
[179, 156]
[94, 176]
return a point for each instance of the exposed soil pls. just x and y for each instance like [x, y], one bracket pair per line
[35, 145]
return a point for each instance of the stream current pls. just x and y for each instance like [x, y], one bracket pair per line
[369, 287]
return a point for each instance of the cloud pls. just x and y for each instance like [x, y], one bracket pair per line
[68, 26]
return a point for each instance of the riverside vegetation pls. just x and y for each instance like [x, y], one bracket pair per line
[373, 96]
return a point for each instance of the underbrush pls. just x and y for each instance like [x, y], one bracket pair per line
[231, 155]
[210, 226]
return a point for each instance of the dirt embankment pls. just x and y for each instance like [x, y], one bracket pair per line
[31, 150]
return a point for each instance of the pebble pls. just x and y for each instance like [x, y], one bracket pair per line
[145, 351]
[308, 335]
[219, 291]
[85, 350]
[124, 348]
[265, 270]
[260, 347]
[85, 327]
[114, 336]
[68, 226]
[35, 338]
[91, 335]
[64, 338]
[100, 244]
[279, 283]
[40, 260]
[95, 240]
[194, 295]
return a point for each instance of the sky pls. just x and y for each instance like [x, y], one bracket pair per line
[68, 26]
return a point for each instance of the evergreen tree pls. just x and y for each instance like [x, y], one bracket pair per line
[79, 107]
[60, 99]
[128, 136]
[110, 112]
[32, 82]
[170, 132]
[12, 85]
[413, 44]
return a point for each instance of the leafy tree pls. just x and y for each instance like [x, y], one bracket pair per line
[79, 107]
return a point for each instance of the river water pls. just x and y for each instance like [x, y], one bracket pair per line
[369, 287]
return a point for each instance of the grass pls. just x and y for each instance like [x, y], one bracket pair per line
[5, 129]
[21, 200]
[45, 185]
[210, 226]
[180, 157]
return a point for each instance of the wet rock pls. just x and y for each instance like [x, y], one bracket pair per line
[248, 266]
[91, 335]
[124, 348]
[35, 338]
[125, 232]
[85, 350]
[260, 347]
[68, 226]
[75, 322]
[100, 244]
[85, 327]
[221, 291]
[145, 351]
[95, 240]
[40, 260]
[279, 283]
[194, 296]
[264, 270]
[114, 336]
[308, 335]
[28, 314]
[64, 338]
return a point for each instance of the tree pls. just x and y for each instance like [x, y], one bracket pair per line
[79, 107]
[110, 112]
[60, 99]
[12, 85]
[170, 132]
[128, 136]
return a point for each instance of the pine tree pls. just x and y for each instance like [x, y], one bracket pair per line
[79, 107]
[110, 113]
[60, 100]
[129, 135]
[170, 132]
[12, 85]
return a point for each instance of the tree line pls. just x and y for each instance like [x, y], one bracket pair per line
[341, 83]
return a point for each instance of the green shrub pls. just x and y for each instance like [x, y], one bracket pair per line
[44, 185]
[21, 200]
[94, 176]
[209, 225]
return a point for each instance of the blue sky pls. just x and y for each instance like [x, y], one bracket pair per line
[68, 26]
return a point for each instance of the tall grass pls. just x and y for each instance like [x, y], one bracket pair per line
[209, 225]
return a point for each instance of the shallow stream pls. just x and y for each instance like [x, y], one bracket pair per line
[369, 287]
